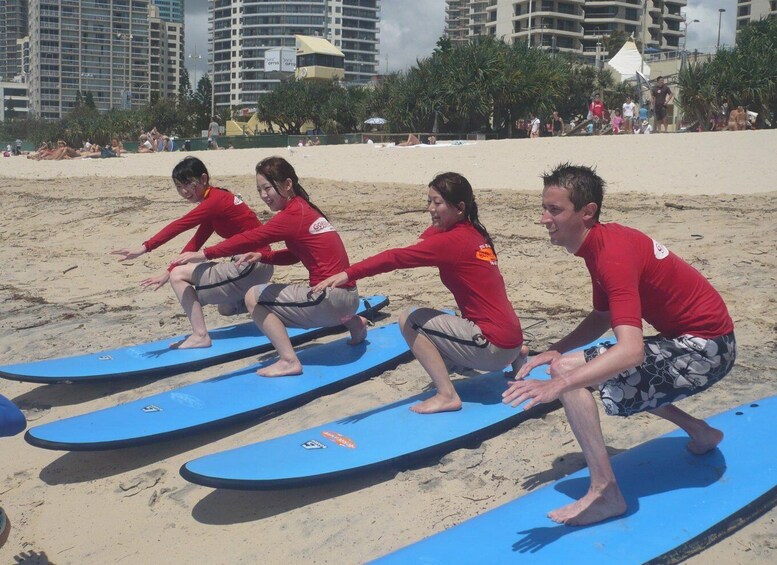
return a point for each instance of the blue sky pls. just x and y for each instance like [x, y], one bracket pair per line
[409, 30]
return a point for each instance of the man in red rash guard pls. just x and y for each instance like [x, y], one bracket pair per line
[488, 334]
[309, 238]
[597, 112]
[223, 283]
[634, 278]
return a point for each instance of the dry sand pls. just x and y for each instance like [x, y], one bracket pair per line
[708, 197]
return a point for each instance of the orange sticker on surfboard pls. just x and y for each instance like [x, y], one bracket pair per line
[339, 439]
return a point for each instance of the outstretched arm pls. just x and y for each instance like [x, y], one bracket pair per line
[127, 254]
[592, 327]
[332, 282]
[567, 376]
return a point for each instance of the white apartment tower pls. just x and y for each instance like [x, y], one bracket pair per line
[242, 30]
[574, 26]
[753, 10]
[119, 51]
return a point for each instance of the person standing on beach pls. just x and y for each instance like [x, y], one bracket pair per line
[213, 133]
[224, 283]
[662, 96]
[597, 114]
[633, 277]
[488, 334]
[629, 110]
[310, 239]
[557, 124]
[534, 126]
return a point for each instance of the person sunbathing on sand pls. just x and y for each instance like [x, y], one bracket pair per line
[311, 239]
[633, 277]
[488, 334]
[62, 152]
[223, 283]
[411, 140]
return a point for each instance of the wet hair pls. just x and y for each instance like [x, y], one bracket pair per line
[582, 183]
[276, 170]
[455, 189]
[189, 169]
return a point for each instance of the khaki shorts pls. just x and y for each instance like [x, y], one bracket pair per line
[224, 283]
[298, 307]
[460, 341]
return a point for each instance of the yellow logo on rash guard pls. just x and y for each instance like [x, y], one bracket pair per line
[485, 253]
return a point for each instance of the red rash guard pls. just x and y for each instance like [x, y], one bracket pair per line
[635, 277]
[468, 268]
[309, 238]
[219, 211]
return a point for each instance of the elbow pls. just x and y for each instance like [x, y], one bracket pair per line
[635, 356]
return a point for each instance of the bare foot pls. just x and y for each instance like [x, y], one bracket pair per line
[192, 342]
[706, 441]
[281, 368]
[358, 328]
[593, 507]
[436, 404]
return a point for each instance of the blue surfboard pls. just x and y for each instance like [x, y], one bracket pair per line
[678, 504]
[391, 435]
[237, 396]
[156, 359]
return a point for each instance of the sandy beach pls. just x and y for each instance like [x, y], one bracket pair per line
[707, 197]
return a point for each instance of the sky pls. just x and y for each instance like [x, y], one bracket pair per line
[409, 30]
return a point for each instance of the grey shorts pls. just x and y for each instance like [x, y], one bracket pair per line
[459, 341]
[224, 283]
[673, 369]
[298, 307]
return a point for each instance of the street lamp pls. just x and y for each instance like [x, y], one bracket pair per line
[126, 94]
[687, 25]
[195, 57]
[720, 17]
[528, 38]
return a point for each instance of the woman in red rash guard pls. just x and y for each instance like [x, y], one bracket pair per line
[488, 334]
[310, 239]
[221, 283]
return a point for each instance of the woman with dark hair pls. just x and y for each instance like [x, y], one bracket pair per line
[488, 334]
[310, 239]
[221, 283]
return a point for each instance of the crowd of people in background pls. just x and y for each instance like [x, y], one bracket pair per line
[630, 117]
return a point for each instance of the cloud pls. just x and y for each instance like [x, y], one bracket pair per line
[703, 35]
[409, 31]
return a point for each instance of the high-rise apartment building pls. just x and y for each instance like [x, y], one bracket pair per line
[753, 10]
[241, 32]
[166, 58]
[567, 25]
[13, 27]
[120, 52]
[170, 10]
[353, 27]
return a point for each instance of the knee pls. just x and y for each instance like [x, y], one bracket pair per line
[250, 299]
[406, 319]
[177, 275]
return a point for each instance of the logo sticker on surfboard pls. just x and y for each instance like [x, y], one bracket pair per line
[313, 444]
[151, 408]
[339, 439]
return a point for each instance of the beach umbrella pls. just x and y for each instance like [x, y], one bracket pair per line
[375, 121]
